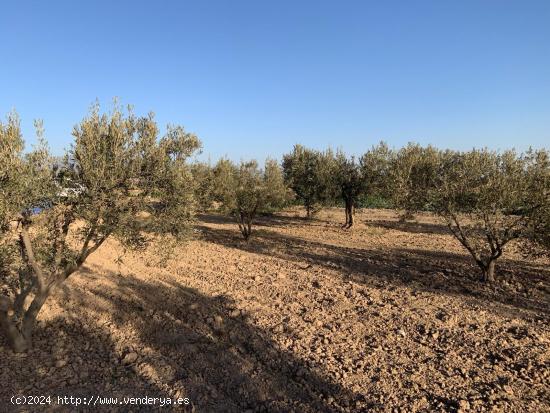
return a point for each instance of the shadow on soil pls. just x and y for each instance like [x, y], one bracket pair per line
[188, 345]
[265, 220]
[411, 227]
[526, 287]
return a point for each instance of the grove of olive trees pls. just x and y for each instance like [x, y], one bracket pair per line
[120, 179]
[486, 199]
[355, 218]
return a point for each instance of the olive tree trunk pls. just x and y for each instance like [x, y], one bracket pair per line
[308, 210]
[486, 262]
[17, 322]
[487, 270]
[349, 209]
[245, 223]
[19, 330]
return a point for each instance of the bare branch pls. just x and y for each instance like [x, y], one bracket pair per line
[458, 232]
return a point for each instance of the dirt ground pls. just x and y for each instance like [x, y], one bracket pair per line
[306, 317]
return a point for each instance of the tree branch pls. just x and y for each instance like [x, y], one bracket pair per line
[84, 254]
[62, 236]
[6, 304]
[461, 236]
[26, 245]
[19, 301]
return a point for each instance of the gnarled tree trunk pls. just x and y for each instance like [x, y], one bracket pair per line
[18, 324]
[487, 270]
[245, 223]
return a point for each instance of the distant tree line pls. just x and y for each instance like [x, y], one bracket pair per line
[121, 178]
[485, 198]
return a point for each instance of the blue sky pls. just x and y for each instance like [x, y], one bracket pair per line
[253, 78]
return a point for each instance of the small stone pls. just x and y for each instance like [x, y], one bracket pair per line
[463, 405]
[279, 328]
[60, 363]
[130, 358]
[301, 372]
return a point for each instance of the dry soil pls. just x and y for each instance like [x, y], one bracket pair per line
[306, 317]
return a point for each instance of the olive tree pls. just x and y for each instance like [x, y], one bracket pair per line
[350, 182]
[249, 196]
[309, 173]
[489, 199]
[25, 187]
[276, 192]
[117, 180]
[203, 177]
[536, 241]
[412, 173]
[246, 190]
[376, 171]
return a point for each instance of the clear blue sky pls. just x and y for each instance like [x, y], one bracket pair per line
[253, 78]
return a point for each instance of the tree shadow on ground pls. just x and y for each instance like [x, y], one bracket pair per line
[410, 227]
[177, 343]
[72, 357]
[263, 220]
[526, 286]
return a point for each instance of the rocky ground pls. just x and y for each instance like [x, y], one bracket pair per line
[307, 317]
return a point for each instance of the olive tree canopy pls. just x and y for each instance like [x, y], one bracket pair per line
[309, 173]
[246, 190]
[489, 199]
[119, 178]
